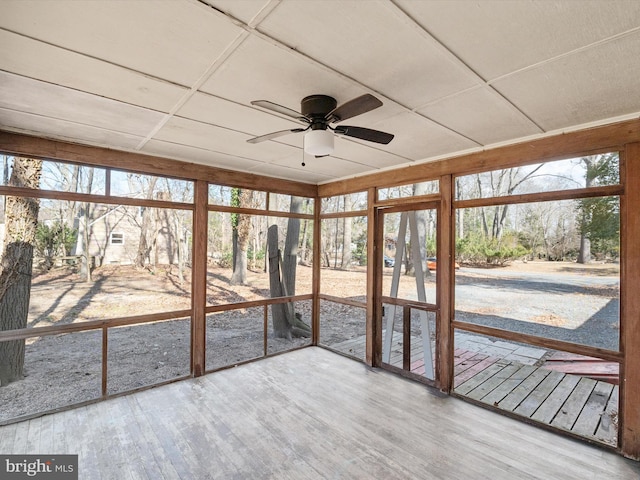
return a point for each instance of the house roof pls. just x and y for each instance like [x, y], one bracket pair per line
[176, 78]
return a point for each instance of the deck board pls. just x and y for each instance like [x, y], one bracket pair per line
[506, 387]
[553, 403]
[538, 395]
[608, 428]
[571, 409]
[589, 418]
[481, 391]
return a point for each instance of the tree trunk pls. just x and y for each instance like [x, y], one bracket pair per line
[144, 249]
[279, 312]
[290, 260]
[21, 216]
[584, 255]
[243, 229]
[346, 244]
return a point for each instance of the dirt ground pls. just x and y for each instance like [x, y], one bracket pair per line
[65, 369]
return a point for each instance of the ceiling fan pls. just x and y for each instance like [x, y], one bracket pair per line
[318, 113]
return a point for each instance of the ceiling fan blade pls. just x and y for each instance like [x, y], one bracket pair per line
[364, 134]
[362, 104]
[274, 107]
[270, 136]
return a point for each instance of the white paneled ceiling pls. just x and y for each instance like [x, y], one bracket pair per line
[176, 78]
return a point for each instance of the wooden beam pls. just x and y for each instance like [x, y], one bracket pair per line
[548, 343]
[25, 145]
[315, 278]
[199, 280]
[565, 145]
[24, 333]
[375, 248]
[446, 285]
[630, 306]
[607, 190]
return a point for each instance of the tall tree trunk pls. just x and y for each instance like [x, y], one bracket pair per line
[290, 260]
[16, 265]
[243, 230]
[144, 249]
[346, 244]
[286, 323]
[584, 254]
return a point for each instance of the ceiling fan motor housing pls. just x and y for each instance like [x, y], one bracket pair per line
[315, 108]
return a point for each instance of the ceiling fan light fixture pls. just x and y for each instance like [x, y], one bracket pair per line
[318, 142]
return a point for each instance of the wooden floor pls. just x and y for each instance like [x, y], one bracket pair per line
[303, 415]
[580, 405]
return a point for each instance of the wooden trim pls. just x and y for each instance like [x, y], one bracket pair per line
[107, 182]
[543, 342]
[199, 280]
[445, 284]
[256, 303]
[375, 249]
[24, 333]
[433, 204]
[406, 338]
[427, 307]
[610, 137]
[105, 355]
[629, 431]
[29, 146]
[316, 285]
[255, 211]
[342, 300]
[541, 197]
[265, 329]
[408, 202]
[409, 375]
[85, 197]
[352, 213]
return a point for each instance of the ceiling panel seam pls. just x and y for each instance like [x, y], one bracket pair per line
[566, 54]
[93, 57]
[461, 63]
[215, 65]
[254, 30]
[65, 120]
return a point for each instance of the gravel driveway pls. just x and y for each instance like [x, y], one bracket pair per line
[576, 308]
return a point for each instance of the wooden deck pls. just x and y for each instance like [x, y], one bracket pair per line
[307, 414]
[577, 404]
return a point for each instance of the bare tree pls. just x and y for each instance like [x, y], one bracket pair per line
[21, 214]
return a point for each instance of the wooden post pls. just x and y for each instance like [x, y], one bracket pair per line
[105, 357]
[446, 286]
[199, 279]
[375, 246]
[315, 279]
[406, 338]
[629, 408]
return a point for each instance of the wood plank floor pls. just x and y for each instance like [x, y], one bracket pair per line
[307, 414]
[580, 405]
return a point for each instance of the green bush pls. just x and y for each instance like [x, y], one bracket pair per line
[478, 250]
[54, 240]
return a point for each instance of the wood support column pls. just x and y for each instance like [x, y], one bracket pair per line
[446, 285]
[199, 279]
[375, 247]
[630, 305]
[315, 282]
